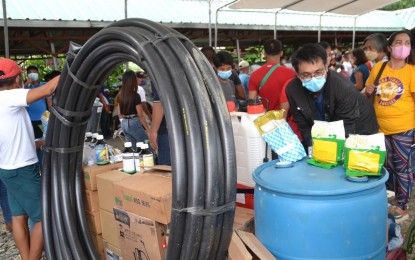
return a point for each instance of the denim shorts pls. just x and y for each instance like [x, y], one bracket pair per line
[24, 191]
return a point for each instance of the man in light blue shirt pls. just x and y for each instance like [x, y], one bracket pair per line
[244, 75]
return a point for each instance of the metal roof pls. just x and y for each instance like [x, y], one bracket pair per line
[99, 13]
[35, 25]
[349, 7]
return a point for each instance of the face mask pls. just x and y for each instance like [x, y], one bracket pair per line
[400, 52]
[34, 76]
[143, 82]
[315, 84]
[225, 74]
[371, 55]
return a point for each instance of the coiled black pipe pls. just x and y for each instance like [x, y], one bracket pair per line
[200, 133]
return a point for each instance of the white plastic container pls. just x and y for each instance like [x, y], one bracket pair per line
[249, 146]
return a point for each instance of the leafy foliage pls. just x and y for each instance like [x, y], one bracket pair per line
[402, 4]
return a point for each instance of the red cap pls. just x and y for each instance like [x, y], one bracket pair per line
[9, 68]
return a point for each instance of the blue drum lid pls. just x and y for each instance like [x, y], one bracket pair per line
[305, 179]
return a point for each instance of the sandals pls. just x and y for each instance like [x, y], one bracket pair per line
[399, 217]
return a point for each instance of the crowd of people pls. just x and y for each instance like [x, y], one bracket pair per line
[372, 89]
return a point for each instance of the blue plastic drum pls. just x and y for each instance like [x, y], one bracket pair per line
[306, 212]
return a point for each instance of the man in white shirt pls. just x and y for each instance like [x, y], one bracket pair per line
[140, 90]
[348, 67]
[19, 169]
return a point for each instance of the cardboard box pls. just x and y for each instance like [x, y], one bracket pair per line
[94, 222]
[111, 252]
[98, 243]
[140, 238]
[110, 228]
[105, 188]
[147, 195]
[90, 173]
[245, 246]
[244, 219]
[91, 201]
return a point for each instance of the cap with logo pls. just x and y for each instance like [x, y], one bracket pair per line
[9, 68]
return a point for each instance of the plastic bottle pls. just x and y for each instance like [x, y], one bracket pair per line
[148, 158]
[128, 159]
[137, 156]
[94, 139]
[101, 151]
[140, 157]
[88, 138]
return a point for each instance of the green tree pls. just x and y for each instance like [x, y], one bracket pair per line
[402, 4]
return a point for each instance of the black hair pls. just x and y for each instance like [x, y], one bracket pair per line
[209, 53]
[223, 57]
[8, 81]
[128, 92]
[47, 77]
[310, 53]
[360, 56]
[411, 58]
[31, 67]
[324, 44]
[54, 73]
[272, 47]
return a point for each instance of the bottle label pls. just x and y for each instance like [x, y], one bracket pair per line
[148, 161]
[128, 163]
[101, 154]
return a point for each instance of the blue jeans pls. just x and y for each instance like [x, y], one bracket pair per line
[163, 149]
[4, 204]
[133, 131]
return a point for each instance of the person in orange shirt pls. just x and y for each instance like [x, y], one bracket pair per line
[394, 104]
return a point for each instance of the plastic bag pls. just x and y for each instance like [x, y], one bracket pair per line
[279, 136]
[328, 143]
[364, 154]
[45, 120]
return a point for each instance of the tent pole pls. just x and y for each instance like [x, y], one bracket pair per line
[6, 31]
[319, 29]
[52, 48]
[275, 24]
[238, 50]
[210, 23]
[354, 32]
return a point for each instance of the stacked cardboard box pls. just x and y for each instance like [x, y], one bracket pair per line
[110, 230]
[142, 212]
[91, 202]
[133, 211]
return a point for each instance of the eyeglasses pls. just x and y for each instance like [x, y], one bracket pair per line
[308, 76]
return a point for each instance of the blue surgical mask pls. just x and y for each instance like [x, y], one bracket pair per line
[34, 76]
[143, 82]
[225, 74]
[315, 84]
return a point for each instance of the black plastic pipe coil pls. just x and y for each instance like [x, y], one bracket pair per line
[200, 133]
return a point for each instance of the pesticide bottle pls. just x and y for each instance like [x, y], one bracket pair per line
[88, 138]
[128, 162]
[137, 156]
[101, 151]
[148, 158]
[94, 139]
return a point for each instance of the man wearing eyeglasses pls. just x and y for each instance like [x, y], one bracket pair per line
[320, 94]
